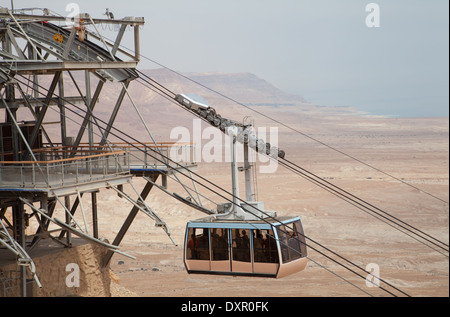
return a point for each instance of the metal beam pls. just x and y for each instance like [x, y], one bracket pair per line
[114, 114]
[127, 21]
[118, 39]
[126, 225]
[88, 115]
[44, 109]
[35, 116]
[72, 212]
[49, 207]
[14, 43]
[11, 117]
[69, 43]
[38, 102]
[122, 93]
[30, 67]
[19, 236]
[94, 214]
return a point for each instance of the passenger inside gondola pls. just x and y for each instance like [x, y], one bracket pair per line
[274, 251]
[191, 247]
[219, 244]
[291, 247]
[198, 245]
[264, 246]
[241, 245]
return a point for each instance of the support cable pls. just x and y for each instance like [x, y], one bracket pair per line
[360, 201]
[295, 130]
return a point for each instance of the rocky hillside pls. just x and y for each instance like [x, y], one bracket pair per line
[161, 115]
[243, 87]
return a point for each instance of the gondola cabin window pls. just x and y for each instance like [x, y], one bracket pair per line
[291, 246]
[198, 244]
[265, 246]
[219, 244]
[241, 245]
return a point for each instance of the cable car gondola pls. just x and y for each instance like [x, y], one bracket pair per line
[242, 238]
[270, 248]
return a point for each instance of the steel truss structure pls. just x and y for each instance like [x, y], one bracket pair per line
[40, 171]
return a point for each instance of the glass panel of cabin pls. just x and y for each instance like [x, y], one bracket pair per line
[197, 249]
[289, 242]
[301, 236]
[220, 255]
[283, 241]
[265, 252]
[241, 256]
[293, 242]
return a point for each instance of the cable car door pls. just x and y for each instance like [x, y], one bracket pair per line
[241, 258]
[220, 252]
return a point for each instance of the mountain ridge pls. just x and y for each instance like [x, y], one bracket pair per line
[243, 87]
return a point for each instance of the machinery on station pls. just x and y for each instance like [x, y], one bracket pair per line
[215, 119]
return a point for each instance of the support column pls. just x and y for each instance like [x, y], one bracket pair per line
[19, 236]
[114, 114]
[126, 225]
[72, 212]
[94, 214]
[249, 195]
[62, 114]
[234, 170]
[87, 117]
[68, 219]
[137, 45]
[44, 108]
[11, 118]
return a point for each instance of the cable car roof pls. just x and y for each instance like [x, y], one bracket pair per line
[210, 222]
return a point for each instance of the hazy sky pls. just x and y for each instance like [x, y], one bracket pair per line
[319, 49]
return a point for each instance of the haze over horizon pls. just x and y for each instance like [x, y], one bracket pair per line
[322, 50]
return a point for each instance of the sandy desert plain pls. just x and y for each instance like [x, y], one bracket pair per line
[412, 153]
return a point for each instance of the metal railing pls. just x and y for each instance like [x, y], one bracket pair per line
[51, 172]
[58, 166]
[150, 156]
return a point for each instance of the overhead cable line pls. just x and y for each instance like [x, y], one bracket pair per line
[375, 209]
[293, 129]
[372, 213]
